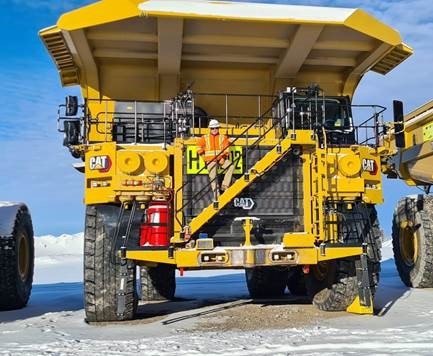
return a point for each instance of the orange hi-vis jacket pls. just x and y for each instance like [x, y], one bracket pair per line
[212, 146]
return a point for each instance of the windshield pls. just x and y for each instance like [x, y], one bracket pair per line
[336, 113]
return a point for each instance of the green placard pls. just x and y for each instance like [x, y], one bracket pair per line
[194, 163]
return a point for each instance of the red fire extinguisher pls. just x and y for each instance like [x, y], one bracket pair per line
[155, 230]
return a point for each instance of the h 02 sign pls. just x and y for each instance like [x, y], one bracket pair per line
[195, 164]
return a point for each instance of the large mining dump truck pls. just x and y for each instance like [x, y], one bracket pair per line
[300, 212]
[412, 228]
[16, 255]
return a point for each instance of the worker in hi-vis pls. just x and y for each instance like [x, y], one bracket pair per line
[213, 147]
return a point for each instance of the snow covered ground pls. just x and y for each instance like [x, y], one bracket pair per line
[52, 324]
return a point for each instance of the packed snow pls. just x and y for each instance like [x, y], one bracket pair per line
[53, 322]
[7, 203]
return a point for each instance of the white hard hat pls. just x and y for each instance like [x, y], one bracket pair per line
[213, 124]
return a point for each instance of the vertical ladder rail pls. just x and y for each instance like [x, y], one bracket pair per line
[320, 180]
[178, 193]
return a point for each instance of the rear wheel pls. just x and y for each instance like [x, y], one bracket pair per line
[333, 285]
[412, 240]
[158, 283]
[296, 281]
[17, 262]
[266, 282]
[102, 268]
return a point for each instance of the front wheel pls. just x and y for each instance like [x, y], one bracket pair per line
[412, 240]
[102, 268]
[333, 285]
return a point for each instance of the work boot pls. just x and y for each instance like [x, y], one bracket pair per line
[216, 194]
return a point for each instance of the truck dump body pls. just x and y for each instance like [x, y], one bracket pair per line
[278, 80]
[113, 48]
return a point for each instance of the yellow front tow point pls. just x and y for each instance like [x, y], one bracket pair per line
[248, 225]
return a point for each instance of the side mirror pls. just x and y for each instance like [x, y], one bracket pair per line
[71, 105]
[72, 132]
[398, 124]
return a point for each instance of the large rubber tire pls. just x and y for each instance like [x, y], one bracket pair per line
[17, 263]
[158, 283]
[102, 269]
[373, 236]
[266, 282]
[412, 240]
[296, 281]
[333, 285]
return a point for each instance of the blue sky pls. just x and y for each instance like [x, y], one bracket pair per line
[36, 169]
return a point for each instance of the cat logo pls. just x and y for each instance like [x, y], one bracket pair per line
[369, 165]
[100, 163]
[244, 203]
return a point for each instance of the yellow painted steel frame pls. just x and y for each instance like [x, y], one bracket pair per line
[118, 173]
[296, 249]
[122, 173]
[243, 256]
[339, 177]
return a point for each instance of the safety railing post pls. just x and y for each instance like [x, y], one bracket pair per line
[135, 122]
[193, 115]
[376, 127]
[227, 113]
[86, 122]
[106, 123]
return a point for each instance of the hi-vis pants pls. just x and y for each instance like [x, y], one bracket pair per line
[212, 168]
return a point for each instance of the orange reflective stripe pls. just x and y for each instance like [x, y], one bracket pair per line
[208, 152]
[215, 147]
[224, 146]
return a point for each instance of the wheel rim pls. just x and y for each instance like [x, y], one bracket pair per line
[408, 246]
[23, 257]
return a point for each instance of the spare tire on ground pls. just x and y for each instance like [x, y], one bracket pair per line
[16, 255]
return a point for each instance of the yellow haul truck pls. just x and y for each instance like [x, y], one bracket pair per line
[412, 229]
[300, 212]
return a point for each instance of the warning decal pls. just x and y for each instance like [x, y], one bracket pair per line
[195, 164]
